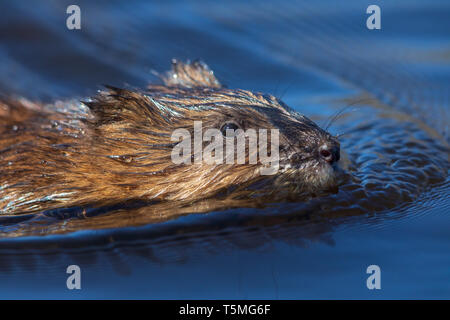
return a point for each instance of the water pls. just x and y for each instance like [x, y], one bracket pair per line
[318, 57]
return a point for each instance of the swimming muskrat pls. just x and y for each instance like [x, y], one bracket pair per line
[117, 146]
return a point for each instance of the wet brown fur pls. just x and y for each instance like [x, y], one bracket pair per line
[117, 146]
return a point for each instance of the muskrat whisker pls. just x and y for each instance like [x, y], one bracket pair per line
[285, 90]
[336, 116]
[340, 112]
[339, 135]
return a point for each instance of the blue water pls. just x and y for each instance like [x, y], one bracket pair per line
[316, 56]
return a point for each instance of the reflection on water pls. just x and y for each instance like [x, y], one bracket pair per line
[319, 58]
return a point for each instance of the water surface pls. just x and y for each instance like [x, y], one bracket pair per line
[318, 58]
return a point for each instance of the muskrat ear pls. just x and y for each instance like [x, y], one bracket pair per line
[190, 75]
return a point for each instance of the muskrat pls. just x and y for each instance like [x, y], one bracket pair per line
[117, 146]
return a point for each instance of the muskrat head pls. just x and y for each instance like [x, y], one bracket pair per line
[201, 138]
[188, 138]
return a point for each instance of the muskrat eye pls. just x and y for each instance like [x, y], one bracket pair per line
[228, 126]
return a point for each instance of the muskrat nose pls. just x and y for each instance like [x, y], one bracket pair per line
[330, 155]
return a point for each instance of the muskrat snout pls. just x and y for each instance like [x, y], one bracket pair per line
[330, 154]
